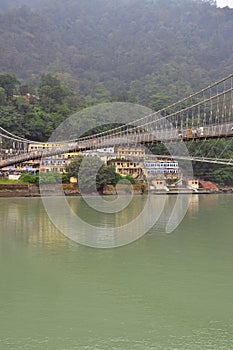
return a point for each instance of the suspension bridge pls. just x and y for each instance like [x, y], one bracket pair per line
[202, 116]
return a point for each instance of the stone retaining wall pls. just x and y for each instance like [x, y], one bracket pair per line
[32, 190]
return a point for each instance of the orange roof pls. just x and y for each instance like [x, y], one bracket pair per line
[208, 184]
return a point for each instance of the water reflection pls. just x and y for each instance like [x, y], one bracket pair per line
[194, 205]
[85, 225]
[80, 222]
[26, 218]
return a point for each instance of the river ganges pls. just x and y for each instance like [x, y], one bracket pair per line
[164, 291]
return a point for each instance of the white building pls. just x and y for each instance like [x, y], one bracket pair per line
[162, 168]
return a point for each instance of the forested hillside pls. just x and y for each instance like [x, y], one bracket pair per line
[152, 51]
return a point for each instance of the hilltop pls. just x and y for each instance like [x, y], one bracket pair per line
[152, 51]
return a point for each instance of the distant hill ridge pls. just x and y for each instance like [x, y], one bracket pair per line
[112, 47]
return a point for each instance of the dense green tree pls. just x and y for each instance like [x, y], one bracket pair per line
[8, 82]
[2, 96]
[52, 93]
[92, 174]
[222, 176]
[37, 118]
[48, 178]
[24, 89]
[223, 148]
[129, 178]
[28, 178]
[146, 48]
[159, 101]
[12, 120]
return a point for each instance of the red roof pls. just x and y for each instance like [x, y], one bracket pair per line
[208, 185]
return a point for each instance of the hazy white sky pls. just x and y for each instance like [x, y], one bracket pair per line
[222, 3]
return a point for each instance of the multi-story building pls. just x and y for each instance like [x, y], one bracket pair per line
[54, 163]
[57, 163]
[124, 151]
[126, 167]
[161, 168]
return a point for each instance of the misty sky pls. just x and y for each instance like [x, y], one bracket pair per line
[222, 3]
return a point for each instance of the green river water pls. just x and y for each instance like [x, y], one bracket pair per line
[164, 291]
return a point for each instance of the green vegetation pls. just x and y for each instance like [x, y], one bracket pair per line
[129, 178]
[92, 174]
[7, 181]
[49, 178]
[35, 114]
[220, 174]
[151, 51]
[44, 178]
[29, 178]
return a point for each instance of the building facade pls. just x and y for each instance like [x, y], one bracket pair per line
[161, 168]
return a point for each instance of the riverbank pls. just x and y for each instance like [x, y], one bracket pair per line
[32, 190]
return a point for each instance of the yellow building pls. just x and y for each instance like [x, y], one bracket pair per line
[125, 167]
[125, 151]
